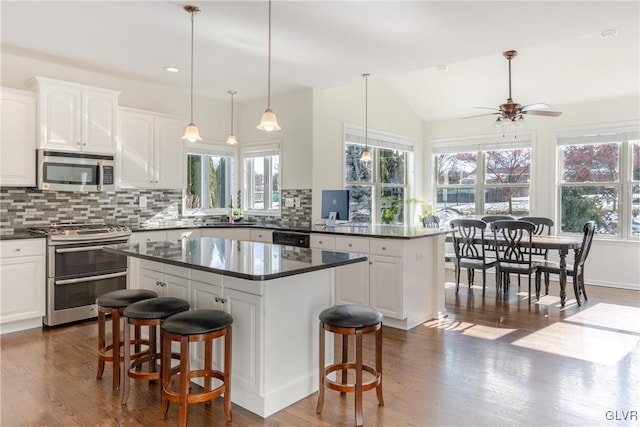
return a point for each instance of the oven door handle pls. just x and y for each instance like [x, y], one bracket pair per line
[90, 279]
[79, 249]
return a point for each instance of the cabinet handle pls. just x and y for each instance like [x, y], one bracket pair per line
[320, 241]
[370, 262]
[223, 300]
[18, 249]
[84, 143]
[350, 245]
[78, 143]
[384, 248]
[217, 299]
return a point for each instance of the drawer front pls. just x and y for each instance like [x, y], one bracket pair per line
[206, 277]
[386, 247]
[265, 236]
[352, 244]
[323, 241]
[22, 247]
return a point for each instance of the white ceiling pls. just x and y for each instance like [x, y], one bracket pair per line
[322, 44]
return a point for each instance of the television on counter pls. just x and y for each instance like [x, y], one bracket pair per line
[335, 201]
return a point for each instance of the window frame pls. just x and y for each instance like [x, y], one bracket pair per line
[480, 145]
[261, 149]
[210, 149]
[379, 140]
[594, 134]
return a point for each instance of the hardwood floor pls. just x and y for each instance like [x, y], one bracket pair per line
[489, 363]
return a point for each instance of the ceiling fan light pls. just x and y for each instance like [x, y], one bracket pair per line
[192, 134]
[269, 122]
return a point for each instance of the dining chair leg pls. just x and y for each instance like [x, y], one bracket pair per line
[484, 281]
[582, 288]
[457, 277]
[575, 289]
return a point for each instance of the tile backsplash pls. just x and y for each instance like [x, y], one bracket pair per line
[23, 207]
[26, 207]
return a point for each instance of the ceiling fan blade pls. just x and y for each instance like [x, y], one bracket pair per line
[542, 113]
[479, 115]
[488, 108]
[538, 106]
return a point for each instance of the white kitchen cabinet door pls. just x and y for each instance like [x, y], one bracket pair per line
[74, 117]
[227, 233]
[352, 283]
[150, 279]
[135, 150]
[22, 284]
[170, 155]
[246, 362]
[175, 286]
[206, 296]
[18, 138]
[385, 284]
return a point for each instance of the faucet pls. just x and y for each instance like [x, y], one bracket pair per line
[231, 220]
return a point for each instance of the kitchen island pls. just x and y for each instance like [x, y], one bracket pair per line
[274, 294]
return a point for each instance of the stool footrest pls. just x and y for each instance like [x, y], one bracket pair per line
[351, 387]
[203, 396]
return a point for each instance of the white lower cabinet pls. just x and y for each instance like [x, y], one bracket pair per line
[22, 284]
[401, 278]
[231, 232]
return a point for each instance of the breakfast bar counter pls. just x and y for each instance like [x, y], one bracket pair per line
[274, 294]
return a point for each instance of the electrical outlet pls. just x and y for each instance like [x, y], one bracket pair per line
[288, 202]
[142, 201]
[296, 202]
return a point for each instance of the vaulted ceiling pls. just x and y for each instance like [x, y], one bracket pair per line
[562, 57]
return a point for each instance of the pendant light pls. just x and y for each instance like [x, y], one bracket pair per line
[192, 134]
[269, 122]
[232, 138]
[366, 155]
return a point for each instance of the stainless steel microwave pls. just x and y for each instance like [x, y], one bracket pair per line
[75, 171]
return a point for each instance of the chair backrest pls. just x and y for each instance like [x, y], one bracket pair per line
[490, 218]
[512, 240]
[588, 232]
[468, 238]
[543, 226]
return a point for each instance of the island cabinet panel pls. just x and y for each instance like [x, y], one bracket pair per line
[227, 233]
[385, 283]
[261, 235]
[22, 284]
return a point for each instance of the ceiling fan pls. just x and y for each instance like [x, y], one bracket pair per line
[512, 112]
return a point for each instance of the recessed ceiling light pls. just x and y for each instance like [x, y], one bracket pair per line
[442, 67]
[611, 32]
[172, 69]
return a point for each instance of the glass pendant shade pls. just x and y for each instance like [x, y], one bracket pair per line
[269, 122]
[366, 156]
[192, 134]
[232, 139]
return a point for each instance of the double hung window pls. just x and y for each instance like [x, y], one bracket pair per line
[210, 171]
[599, 179]
[482, 176]
[378, 190]
[261, 178]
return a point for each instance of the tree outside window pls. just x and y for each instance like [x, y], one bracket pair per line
[209, 182]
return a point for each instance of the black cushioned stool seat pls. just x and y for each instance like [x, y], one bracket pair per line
[346, 320]
[150, 312]
[114, 303]
[196, 326]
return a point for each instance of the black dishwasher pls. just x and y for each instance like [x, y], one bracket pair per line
[290, 238]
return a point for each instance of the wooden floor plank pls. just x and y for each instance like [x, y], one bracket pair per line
[490, 362]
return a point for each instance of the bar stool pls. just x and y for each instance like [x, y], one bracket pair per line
[150, 312]
[114, 303]
[346, 320]
[196, 326]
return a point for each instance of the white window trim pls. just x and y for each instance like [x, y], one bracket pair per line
[260, 149]
[212, 148]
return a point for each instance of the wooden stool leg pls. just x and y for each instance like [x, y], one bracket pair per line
[321, 371]
[227, 374]
[127, 361]
[115, 333]
[165, 373]
[345, 359]
[153, 351]
[358, 385]
[184, 380]
[379, 365]
[101, 343]
[208, 365]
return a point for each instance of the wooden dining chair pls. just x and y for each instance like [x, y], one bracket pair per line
[543, 227]
[576, 271]
[469, 247]
[512, 242]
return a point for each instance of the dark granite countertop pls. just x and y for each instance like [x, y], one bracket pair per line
[242, 259]
[19, 233]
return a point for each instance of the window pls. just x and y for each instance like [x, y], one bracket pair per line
[209, 179]
[483, 176]
[599, 179]
[261, 178]
[378, 189]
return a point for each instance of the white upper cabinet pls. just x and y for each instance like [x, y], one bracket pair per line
[17, 138]
[75, 117]
[150, 151]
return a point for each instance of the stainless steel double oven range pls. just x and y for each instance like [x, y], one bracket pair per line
[78, 270]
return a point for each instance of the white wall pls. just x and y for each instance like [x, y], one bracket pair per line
[611, 262]
[332, 108]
